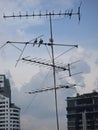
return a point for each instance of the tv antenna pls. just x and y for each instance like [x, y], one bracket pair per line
[51, 89]
[50, 15]
[46, 63]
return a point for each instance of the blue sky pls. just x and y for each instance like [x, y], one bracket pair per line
[26, 77]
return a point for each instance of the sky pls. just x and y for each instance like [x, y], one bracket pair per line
[38, 111]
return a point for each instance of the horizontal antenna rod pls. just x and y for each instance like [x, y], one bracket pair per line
[50, 89]
[42, 43]
[40, 14]
[33, 15]
[43, 63]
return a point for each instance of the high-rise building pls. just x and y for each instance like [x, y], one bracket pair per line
[82, 112]
[9, 112]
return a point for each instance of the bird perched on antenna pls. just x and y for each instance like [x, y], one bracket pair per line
[35, 41]
[40, 42]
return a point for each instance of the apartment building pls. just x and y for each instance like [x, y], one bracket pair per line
[82, 112]
[9, 112]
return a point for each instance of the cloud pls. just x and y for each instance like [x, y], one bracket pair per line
[96, 62]
[38, 111]
[87, 65]
[89, 69]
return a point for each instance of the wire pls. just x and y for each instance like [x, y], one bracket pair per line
[48, 52]
[20, 55]
[33, 98]
[3, 45]
[30, 103]
[64, 53]
[16, 47]
[10, 44]
[46, 77]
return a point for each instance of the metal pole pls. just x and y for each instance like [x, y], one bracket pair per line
[54, 74]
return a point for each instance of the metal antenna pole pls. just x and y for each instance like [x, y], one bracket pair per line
[54, 74]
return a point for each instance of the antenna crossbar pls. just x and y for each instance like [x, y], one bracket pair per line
[42, 43]
[46, 64]
[40, 14]
[50, 89]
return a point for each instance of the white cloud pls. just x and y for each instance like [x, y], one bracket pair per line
[91, 76]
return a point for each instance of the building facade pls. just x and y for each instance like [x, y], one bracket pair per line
[9, 113]
[82, 112]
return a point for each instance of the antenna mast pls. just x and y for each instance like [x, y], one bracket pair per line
[50, 14]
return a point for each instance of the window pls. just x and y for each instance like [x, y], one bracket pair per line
[96, 100]
[84, 101]
[71, 103]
